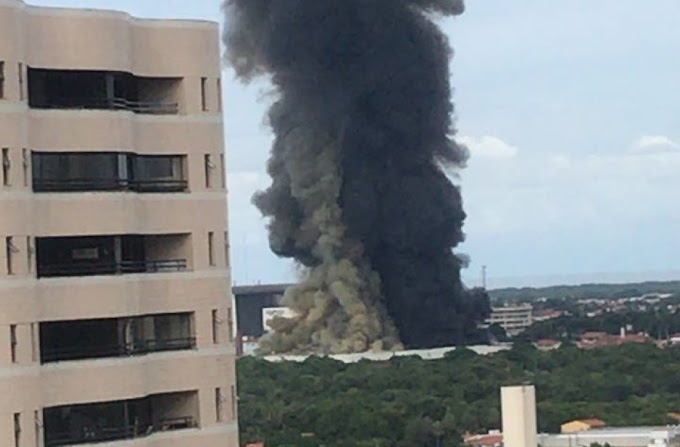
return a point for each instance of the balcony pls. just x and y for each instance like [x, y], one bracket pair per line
[101, 90]
[110, 338]
[111, 255]
[121, 420]
[108, 171]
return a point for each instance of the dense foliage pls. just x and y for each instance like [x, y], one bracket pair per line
[608, 291]
[412, 402]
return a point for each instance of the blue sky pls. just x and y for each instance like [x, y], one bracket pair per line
[571, 109]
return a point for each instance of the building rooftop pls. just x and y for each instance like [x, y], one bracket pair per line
[511, 307]
[488, 440]
[618, 431]
[593, 422]
[260, 289]
[425, 354]
[101, 12]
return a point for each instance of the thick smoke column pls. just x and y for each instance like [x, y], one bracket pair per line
[363, 124]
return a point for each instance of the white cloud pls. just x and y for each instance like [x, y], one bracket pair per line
[655, 144]
[548, 193]
[561, 161]
[488, 147]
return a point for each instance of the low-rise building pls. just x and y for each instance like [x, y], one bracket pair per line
[548, 314]
[514, 319]
[519, 428]
[492, 439]
[615, 437]
[594, 340]
[580, 425]
[254, 304]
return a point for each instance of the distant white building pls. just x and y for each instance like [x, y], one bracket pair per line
[616, 437]
[514, 319]
[518, 405]
[425, 354]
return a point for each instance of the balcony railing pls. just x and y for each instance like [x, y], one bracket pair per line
[111, 268]
[159, 185]
[108, 184]
[172, 424]
[164, 345]
[143, 107]
[93, 433]
[135, 348]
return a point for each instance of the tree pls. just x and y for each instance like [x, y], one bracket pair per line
[498, 333]
[408, 401]
[419, 432]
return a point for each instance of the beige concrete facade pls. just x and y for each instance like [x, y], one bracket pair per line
[514, 319]
[518, 411]
[182, 59]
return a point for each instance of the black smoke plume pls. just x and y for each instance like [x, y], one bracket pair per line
[363, 125]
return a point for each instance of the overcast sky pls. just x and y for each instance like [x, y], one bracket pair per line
[571, 109]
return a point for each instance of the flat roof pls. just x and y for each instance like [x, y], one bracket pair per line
[642, 429]
[259, 289]
[615, 432]
[111, 13]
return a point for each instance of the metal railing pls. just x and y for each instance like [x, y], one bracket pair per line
[158, 185]
[109, 184]
[182, 423]
[110, 268]
[134, 348]
[93, 433]
[89, 103]
[164, 345]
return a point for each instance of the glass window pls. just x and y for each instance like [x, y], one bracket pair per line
[158, 167]
[68, 171]
[172, 327]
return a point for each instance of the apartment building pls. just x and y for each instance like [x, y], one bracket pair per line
[115, 321]
[514, 319]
